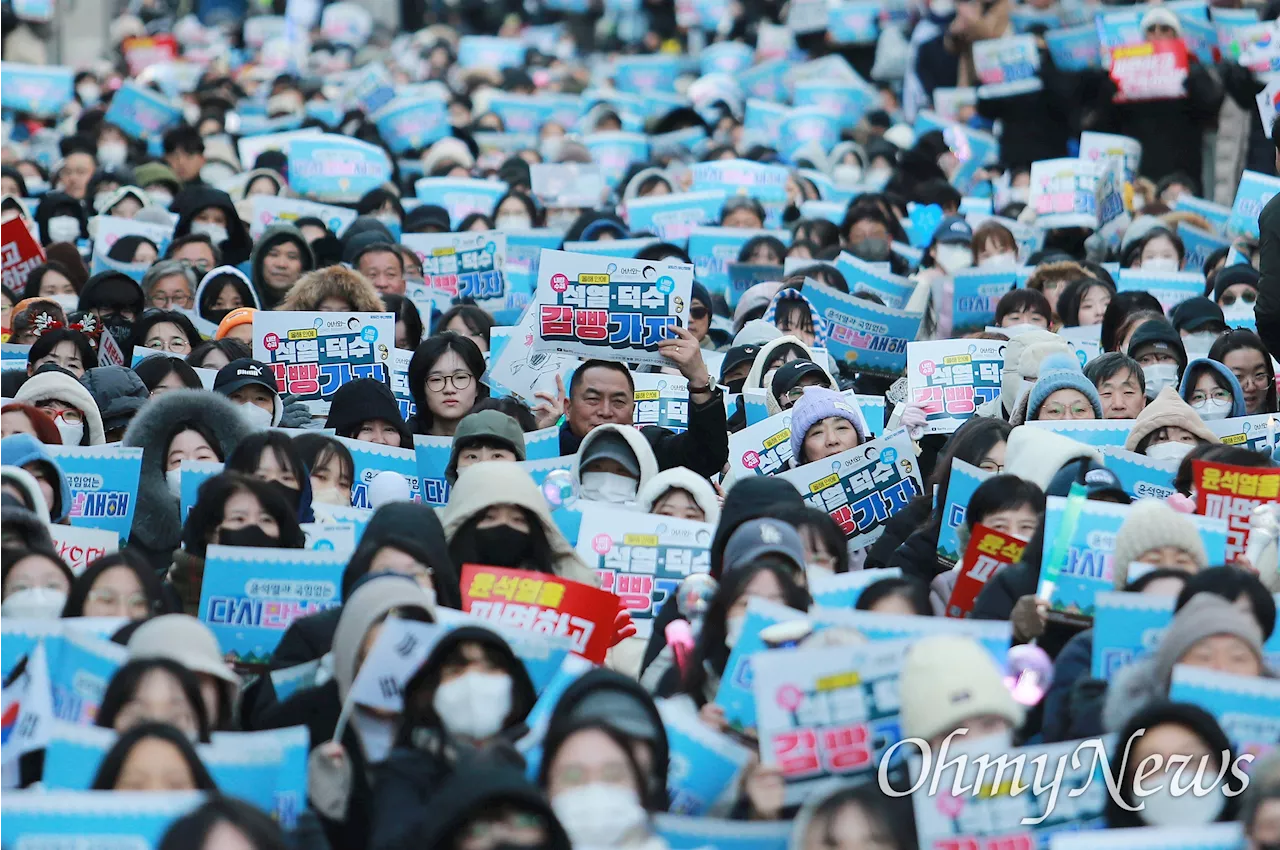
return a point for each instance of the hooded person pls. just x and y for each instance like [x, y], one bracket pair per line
[794, 314]
[853, 815]
[493, 800]
[497, 515]
[119, 394]
[485, 435]
[1212, 390]
[230, 237]
[753, 303]
[157, 522]
[1208, 632]
[61, 218]
[189, 642]
[117, 300]
[334, 288]
[61, 396]
[613, 463]
[680, 493]
[1022, 357]
[31, 496]
[1159, 350]
[773, 355]
[1061, 392]
[1170, 422]
[21, 526]
[366, 409]
[25, 452]
[274, 275]
[347, 740]
[222, 290]
[1037, 454]
[465, 705]
[1154, 534]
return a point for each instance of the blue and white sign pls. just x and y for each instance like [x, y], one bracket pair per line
[862, 334]
[141, 113]
[104, 485]
[412, 123]
[38, 89]
[336, 169]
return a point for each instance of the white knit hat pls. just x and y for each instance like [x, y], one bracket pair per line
[1036, 454]
[1150, 524]
[948, 680]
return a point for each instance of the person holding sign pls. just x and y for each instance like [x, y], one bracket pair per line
[680, 493]
[824, 423]
[1168, 428]
[444, 380]
[365, 409]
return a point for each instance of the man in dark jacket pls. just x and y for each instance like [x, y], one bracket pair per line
[1267, 310]
[603, 391]
[273, 279]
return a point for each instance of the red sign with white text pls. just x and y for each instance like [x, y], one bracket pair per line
[1150, 70]
[546, 604]
[987, 552]
[21, 252]
[1225, 491]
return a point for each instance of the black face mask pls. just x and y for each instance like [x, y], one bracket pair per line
[249, 535]
[735, 386]
[215, 316]
[502, 546]
[291, 495]
[118, 326]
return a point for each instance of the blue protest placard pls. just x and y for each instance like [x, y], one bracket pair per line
[856, 22]
[336, 169]
[704, 763]
[412, 123]
[615, 152]
[1199, 245]
[839, 98]
[765, 183]
[370, 88]
[765, 80]
[373, 458]
[104, 485]
[251, 595]
[965, 478]
[994, 635]
[862, 276]
[661, 400]
[1169, 288]
[950, 378]
[461, 196]
[1140, 476]
[1247, 707]
[1216, 214]
[431, 458]
[1126, 628]
[38, 89]
[862, 334]
[646, 73]
[463, 265]
[735, 694]
[1213, 836]
[137, 819]
[841, 590]
[312, 354]
[673, 217]
[141, 113]
[682, 832]
[726, 57]
[1257, 433]
[805, 127]
[763, 447]
[976, 293]
[487, 51]
[1252, 194]
[862, 487]
[1091, 432]
[713, 249]
[80, 667]
[1007, 66]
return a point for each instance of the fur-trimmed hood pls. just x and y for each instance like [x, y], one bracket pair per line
[755, 377]
[680, 478]
[157, 523]
[43, 386]
[635, 441]
[332, 282]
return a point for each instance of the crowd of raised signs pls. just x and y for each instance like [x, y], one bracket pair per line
[565, 424]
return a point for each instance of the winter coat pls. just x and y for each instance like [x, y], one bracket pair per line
[332, 282]
[1038, 124]
[214, 276]
[192, 200]
[1267, 309]
[118, 391]
[362, 400]
[476, 793]
[1242, 142]
[899, 527]
[271, 237]
[22, 450]
[157, 524]
[1071, 667]
[917, 557]
[484, 485]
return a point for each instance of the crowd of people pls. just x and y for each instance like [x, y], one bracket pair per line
[147, 345]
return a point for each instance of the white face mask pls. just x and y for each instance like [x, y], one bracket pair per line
[733, 630]
[562, 219]
[846, 174]
[35, 603]
[113, 153]
[1019, 194]
[1198, 345]
[474, 705]
[1212, 408]
[1159, 376]
[173, 480]
[599, 815]
[377, 734]
[36, 186]
[331, 496]
[71, 432]
[62, 228]
[216, 232]
[100, 201]
[257, 418]
[68, 303]
[89, 93]
[1160, 264]
[953, 258]
[941, 8]
[160, 197]
[609, 487]
[1014, 330]
[878, 176]
[389, 219]
[1169, 451]
[1162, 808]
[513, 222]
[1003, 260]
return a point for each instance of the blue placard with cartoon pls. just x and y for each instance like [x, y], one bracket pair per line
[862, 276]
[704, 763]
[655, 72]
[1255, 433]
[726, 57]
[1199, 245]
[862, 334]
[975, 294]
[1169, 288]
[841, 590]
[250, 595]
[412, 123]
[142, 113]
[1126, 628]
[136, 820]
[1140, 476]
[615, 152]
[461, 196]
[951, 378]
[80, 667]
[965, 478]
[336, 169]
[431, 458]
[1252, 194]
[1247, 707]
[805, 127]
[488, 51]
[681, 832]
[373, 458]
[312, 354]
[104, 485]
[673, 217]
[38, 89]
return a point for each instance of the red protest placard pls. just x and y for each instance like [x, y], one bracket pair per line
[988, 551]
[21, 252]
[1228, 492]
[546, 604]
[142, 52]
[1150, 70]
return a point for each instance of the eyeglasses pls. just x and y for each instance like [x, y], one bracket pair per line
[64, 415]
[991, 466]
[1228, 299]
[1257, 379]
[1058, 411]
[698, 313]
[1217, 394]
[177, 345]
[460, 381]
[164, 302]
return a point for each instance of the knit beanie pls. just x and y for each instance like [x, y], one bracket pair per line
[1167, 409]
[1205, 615]
[947, 680]
[1231, 275]
[820, 403]
[1061, 372]
[491, 426]
[1150, 524]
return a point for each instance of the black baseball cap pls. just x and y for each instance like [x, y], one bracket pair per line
[239, 374]
[736, 356]
[1100, 482]
[1194, 313]
[789, 375]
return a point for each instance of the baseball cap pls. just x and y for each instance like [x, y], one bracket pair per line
[788, 377]
[953, 229]
[1194, 313]
[613, 446]
[736, 356]
[1100, 482]
[241, 373]
[763, 537]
